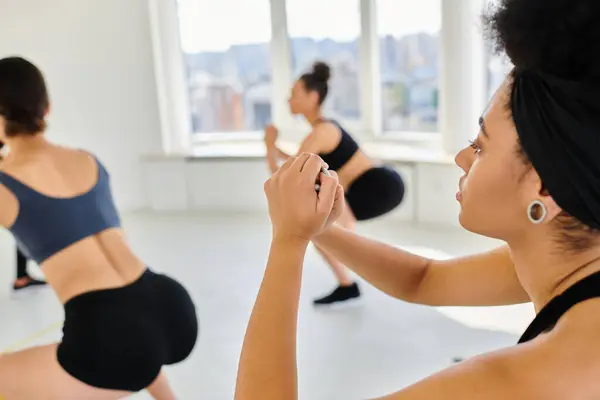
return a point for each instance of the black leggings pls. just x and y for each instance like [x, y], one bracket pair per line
[375, 193]
[120, 338]
[21, 265]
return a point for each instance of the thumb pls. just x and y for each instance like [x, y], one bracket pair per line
[339, 193]
[338, 202]
[327, 193]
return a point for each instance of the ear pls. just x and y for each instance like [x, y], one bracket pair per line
[552, 208]
[47, 112]
[537, 191]
[314, 97]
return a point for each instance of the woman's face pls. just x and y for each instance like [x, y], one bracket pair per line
[497, 186]
[302, 101]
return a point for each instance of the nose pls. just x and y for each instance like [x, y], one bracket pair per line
[462, 159]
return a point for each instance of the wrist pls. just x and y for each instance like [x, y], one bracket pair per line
[322, 234]
[289, 241]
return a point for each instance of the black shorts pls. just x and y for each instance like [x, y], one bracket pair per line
[375, 193]
[120, 338]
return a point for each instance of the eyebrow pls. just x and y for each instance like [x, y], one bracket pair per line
[482, 126]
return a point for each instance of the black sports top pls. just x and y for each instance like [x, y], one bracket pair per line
[344, 151]
[546, 319]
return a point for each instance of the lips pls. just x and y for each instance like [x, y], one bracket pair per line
[459, 192]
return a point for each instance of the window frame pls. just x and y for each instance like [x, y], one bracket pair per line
[470, 64]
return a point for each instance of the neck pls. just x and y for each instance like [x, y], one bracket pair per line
[20, 144]
[314, 117]
[546, 271]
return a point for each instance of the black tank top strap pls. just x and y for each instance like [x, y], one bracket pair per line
[586, 289]
[343, 152]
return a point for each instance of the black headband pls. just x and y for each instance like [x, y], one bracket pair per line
[558, 123]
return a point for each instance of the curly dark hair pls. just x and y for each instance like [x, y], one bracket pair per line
[560, 38]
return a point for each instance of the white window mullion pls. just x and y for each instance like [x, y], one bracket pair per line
[281, 70]
[369, 70]
[462, 72]
[172, 90]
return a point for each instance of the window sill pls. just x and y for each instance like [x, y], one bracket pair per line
[412, 138]
[431, 140]
[211, 137]
[382, 150]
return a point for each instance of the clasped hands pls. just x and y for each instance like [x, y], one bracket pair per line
[299, 212]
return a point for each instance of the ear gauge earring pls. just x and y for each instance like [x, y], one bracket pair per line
[536, 212]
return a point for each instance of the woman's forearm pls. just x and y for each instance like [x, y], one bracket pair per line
[273, 158]
[393, 271]
[267, 368]
[282, 154]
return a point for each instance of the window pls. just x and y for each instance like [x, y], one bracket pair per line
[328, 30]
[408, 38]
[226, 49]
[384, 56]
[498, 67]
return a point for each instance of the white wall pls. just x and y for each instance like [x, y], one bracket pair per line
[97, 57]
[235, 184]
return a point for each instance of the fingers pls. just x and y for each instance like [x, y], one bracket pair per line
[293, 163]
[301, 160]
[339, 193]
[338, 202]
[326, 171]
[286, 165]
[312, 171]
[307, 167]
[309, 161]
[327, 193]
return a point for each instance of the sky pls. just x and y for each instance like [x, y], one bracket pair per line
[215, 25]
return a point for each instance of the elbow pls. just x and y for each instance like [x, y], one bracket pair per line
[416, 290]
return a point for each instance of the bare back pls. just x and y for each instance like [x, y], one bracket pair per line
[100, 261]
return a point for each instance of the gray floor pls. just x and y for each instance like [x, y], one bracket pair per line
[355, 354]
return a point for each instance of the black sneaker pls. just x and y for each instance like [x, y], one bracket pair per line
[342, 295]
[31, 282]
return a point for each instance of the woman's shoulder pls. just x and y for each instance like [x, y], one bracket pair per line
[328, 130]
[580, 328]
[325, 136]
[72, 150]
[57, 158]
[539, 369]
[331, 125]
[570, 351]
[74, 154]
[553, 366]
